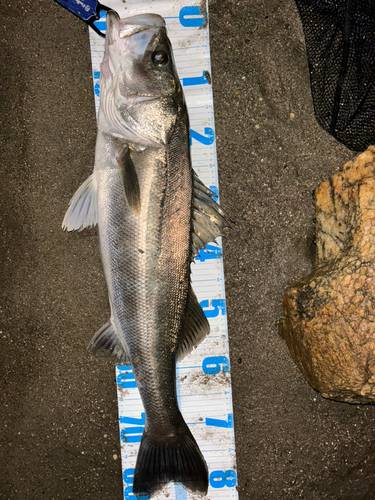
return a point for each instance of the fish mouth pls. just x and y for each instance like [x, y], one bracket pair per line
[135, 24]
[120, 29]
[127, 40]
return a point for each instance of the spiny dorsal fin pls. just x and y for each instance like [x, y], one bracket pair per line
[106, 338]
[130, 179]
[198, 184]
[82, 207]
[205, 236]
[195, 329]
[209, 218]
[204, 221]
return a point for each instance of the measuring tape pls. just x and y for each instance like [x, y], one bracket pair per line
[203, 377]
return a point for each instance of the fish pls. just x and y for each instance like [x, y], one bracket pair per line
[153, 215]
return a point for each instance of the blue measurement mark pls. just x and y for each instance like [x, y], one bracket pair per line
[132, 399]
[205, 281]
[188, 65]
[188, 48]
[216, 451]
[198, 407]
[181, 36]
[202, 394]
[189, 367]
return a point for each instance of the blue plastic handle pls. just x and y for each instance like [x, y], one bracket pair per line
[87, 10]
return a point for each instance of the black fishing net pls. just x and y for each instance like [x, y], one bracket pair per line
[340, 43]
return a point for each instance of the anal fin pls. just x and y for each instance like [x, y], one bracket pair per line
[107, 338]
[195, 329]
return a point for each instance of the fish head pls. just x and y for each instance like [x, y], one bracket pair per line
[141, 95]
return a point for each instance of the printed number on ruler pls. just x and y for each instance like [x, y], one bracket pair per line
[220, 478]
[128, 476]
[126, 380]
[191, 17]
[206, 139]
[134, 433]
[215, 364]
[212, 308]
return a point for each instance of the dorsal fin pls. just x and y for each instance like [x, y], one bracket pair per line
[208, 219]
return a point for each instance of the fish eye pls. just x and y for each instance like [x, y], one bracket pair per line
[160, 57]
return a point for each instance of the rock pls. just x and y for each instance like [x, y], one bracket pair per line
[329, 316]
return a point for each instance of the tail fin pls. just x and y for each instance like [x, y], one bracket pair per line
[176, 458]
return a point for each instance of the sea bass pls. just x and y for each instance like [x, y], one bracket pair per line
[153, 216]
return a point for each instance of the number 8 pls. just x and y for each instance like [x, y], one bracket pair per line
[219, 478]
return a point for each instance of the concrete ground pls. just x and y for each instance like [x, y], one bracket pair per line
[59, 434]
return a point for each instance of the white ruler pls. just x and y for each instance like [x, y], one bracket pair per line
[203, 378]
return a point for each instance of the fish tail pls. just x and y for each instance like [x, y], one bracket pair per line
[174, 458]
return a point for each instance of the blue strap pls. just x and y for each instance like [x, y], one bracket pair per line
[87, 10]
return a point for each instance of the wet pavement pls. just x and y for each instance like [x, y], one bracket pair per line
[59, 433]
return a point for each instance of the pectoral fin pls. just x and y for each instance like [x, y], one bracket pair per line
[82, 207]
[129, 179]
[195, 328]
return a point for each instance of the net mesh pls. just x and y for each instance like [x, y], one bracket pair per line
[340, 43]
